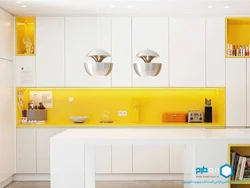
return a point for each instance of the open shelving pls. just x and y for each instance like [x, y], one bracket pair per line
[25, 36]
[238, 34]
[242, 150]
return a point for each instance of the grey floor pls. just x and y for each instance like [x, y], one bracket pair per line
[108, 184]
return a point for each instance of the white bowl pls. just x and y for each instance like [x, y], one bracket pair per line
[78, 119]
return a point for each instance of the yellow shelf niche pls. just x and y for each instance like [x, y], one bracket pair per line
[237, 33]
[244, 150]
[25, 36]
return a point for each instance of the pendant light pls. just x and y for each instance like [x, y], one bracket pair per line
[147, 68]
[98, 68]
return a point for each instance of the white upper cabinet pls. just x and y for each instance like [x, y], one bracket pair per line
[215, 52]
[187, 52]
[83, 34]
[25, 71]
[50, 51]
[236, 90]
[6, 37]
[121, 52]
[151, 33]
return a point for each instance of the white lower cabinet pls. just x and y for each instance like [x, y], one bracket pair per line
[103, 159]
[150, 158]
[176, 158]
[26, 150]
[43, 147]
[122, 157]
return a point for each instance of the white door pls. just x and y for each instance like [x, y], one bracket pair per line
[103, 159]
[176, 158]
[150, 158]
[6, 37]
[121, 52]
[122, 159]
[43, 136]
[187, 52]
[49, 51]
[151, 33]
[248, 92]
[26, 150]
[236, 90]
[215, 52]
[83, 34]
[25, 71]
[7, 129]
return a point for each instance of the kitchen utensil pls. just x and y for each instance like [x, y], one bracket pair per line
[195, 116]
[78, 119]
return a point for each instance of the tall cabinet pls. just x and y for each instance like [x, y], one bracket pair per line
[151, 33]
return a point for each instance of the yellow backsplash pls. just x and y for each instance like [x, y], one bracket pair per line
[143, 105]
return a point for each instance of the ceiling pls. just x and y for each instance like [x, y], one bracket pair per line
[127, 7]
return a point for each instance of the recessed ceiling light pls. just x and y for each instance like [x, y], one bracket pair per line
[227, 6]
[112, 6]
[209, 6]
[129, 6]
[18, 1]
[24, 6]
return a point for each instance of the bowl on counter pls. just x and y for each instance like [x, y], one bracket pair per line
[78, 119]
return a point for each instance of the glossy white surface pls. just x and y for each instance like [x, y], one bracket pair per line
[152, 33]
[103, 159]
[50, 51]
[7, 128]
[187, 52]
[176, 161]
[121, 52]
[6, 28]
[236, 92]
[83, 34]
[25, 71]
[26, 150]
[215, 52]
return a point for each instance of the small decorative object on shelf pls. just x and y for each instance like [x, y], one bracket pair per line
[238, 50]
[28, 46]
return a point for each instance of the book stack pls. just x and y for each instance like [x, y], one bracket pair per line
[241, 166]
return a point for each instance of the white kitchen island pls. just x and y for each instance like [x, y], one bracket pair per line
[73, 152]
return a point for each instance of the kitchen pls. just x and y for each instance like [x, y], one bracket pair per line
[200, 50]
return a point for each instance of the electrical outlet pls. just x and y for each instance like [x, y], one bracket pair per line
[71, 99]
[122, 113]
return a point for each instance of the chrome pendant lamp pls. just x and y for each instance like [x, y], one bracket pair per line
[98, 68]
[147, 68]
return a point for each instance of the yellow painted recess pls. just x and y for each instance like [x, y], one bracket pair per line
[25, 30]
[144, 106]
[244, 150]
[237, 33]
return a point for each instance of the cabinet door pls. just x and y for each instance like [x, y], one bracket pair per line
[151, 33]
[103, 159]
[215, 52]
[43, 148]
[26, 150]
[121, 52]
[81, 36]
[6, 36]
[187, 52]
[25, 71]
[176, 158]
[236, 99]
[50, 51]
[121, 158]
[150, 158]
[248, 92]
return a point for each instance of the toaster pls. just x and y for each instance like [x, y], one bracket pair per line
[195, 116]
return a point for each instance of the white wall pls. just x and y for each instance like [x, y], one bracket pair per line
[7, 128]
